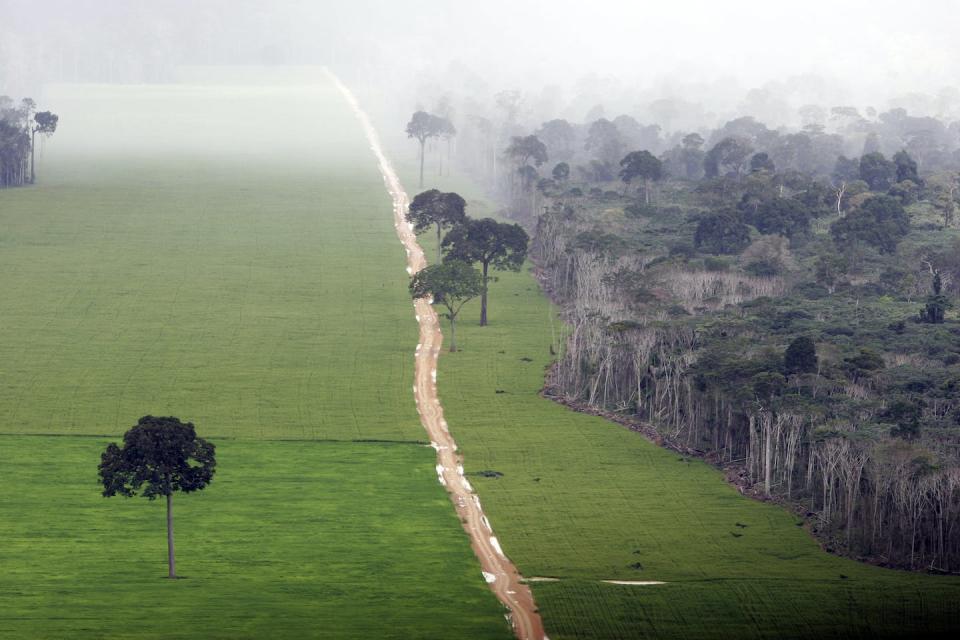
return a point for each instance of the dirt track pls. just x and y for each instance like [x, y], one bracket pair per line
[499, 572]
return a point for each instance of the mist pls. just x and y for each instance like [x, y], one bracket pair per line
[749, 58]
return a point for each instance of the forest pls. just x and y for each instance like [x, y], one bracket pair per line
[778, 300]
[19, 126]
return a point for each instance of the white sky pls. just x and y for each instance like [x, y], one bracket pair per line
[873, 49]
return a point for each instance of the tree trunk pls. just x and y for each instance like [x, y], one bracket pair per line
[483, 298]
[453, 335]
[438, 243]
[422, 143]
[768, 456]
[171, 563]
[33, 153]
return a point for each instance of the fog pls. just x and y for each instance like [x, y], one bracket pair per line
[750, 57]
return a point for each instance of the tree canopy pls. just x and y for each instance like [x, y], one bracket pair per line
[800, 356]
[160, 455]
[559, 137]
[523, 149]
[878, 172]
[422, 127]
[434, 207]
[561, 172]
[721, 233]
[643, 165]
[452, 283]
[787, 216]
[604, 141]
[881, 222]
[500, 245]
[728, 155]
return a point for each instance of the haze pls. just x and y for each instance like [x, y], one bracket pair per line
[861, 53]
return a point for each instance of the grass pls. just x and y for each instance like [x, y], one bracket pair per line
[292, 540]
[276, 312]
[586, 500]
[259, 293]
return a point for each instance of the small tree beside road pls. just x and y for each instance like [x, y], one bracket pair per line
[452, 284]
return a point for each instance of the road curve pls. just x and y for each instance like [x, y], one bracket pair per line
[503, 578]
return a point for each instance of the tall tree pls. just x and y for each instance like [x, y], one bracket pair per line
[643, 165]
[523, 149]
[422, 127]
[452, 284]
[494, 244]
[162, 455]
[434, 207]
[46, 124]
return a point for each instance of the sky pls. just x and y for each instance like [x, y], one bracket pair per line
[863, 52]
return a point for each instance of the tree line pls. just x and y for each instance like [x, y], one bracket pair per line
[780, 302]
[19, 126]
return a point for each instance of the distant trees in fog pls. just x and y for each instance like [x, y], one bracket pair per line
[19, 126]
[423, 126]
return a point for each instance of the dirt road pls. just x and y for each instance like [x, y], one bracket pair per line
[499, 572]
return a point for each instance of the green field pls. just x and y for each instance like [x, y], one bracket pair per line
[260, 293]
[292, 540]
[585, 500]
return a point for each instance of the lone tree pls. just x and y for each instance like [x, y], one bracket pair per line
[434, 207]
[643, 165]
[162, 455]
[422, 127]
[452, 284]
[498, 244]
[46, 125]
